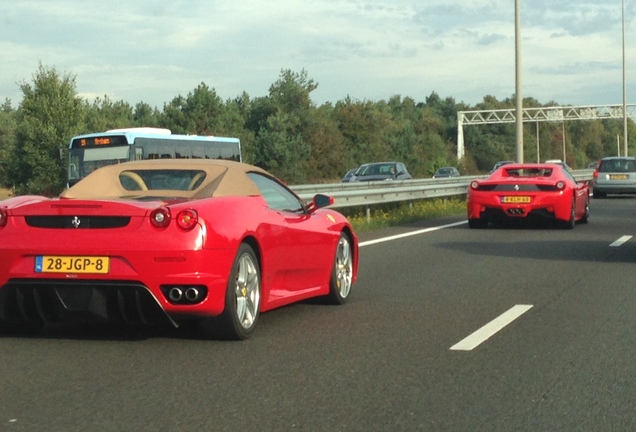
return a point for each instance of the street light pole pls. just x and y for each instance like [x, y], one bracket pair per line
[624, 85]
[519, 108]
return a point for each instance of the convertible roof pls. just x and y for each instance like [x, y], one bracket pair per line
[223, 178]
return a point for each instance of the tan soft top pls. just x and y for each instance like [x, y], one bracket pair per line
[222, 178]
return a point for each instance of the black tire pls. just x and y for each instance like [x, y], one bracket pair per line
[476, 223]
[597, 194]
[242, 300]
[570, 224]
[342, 272]
[586, 216]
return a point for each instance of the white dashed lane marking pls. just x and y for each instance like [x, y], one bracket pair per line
[621, 241]
[409, 234]
[478, 337]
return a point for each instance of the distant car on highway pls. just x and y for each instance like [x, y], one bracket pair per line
[559, 162]
[446, 172]
[379, 171]
[614, 175]
[520, 191]
[500, 164]
[347, 177]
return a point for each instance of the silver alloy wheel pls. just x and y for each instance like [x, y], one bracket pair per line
[344, 267]
[248, 292]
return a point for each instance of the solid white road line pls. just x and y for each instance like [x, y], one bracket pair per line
[621, 241]
[408, 234]
[475, 339]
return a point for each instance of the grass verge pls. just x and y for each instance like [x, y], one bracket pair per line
[398, 214]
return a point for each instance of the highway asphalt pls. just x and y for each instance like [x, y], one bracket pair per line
[518, 328]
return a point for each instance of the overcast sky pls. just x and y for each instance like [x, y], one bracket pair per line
[152, 51]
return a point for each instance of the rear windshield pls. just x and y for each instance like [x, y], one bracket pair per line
[161, 179]
[528, 172]
[617, 165]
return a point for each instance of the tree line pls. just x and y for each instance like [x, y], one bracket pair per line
[284, 132]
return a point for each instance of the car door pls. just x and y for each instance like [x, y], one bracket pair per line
[300, 250]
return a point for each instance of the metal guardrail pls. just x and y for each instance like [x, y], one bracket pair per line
[382, 192]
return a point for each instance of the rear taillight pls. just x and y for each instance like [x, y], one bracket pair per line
[474, 185]
[3, 217]
[560, 185]
[187, 219]
[160, 217]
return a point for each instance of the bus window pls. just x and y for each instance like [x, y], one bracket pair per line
[139, 153]
[106, 153]
[83, 161]
[227, 152]
[198, 151]
[213, 153]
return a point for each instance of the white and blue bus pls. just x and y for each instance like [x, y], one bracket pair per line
[91, 151]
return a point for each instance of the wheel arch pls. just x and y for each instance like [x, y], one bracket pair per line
[255, 245]
[348, 231]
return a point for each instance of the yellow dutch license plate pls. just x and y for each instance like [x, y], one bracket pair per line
[515, 199]
[72, 264]
[618, 177]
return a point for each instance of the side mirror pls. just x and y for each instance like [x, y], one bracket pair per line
[320, 201]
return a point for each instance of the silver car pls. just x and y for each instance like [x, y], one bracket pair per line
[614, 175]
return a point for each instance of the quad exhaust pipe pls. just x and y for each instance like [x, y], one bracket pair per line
[188, 295]
[192, 294]
[515, 211]
[175, 294]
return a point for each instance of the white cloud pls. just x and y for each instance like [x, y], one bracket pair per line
[368, 49]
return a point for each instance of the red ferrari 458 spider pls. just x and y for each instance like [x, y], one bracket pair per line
[519, 191]
[171, 241]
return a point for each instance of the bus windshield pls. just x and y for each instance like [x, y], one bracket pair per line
[92, 151]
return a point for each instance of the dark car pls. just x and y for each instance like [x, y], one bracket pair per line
[500, 164]
[381, 171]
[446, 172]
[347, 177]
[614, 175]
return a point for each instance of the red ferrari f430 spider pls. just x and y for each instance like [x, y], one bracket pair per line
[171, 241]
